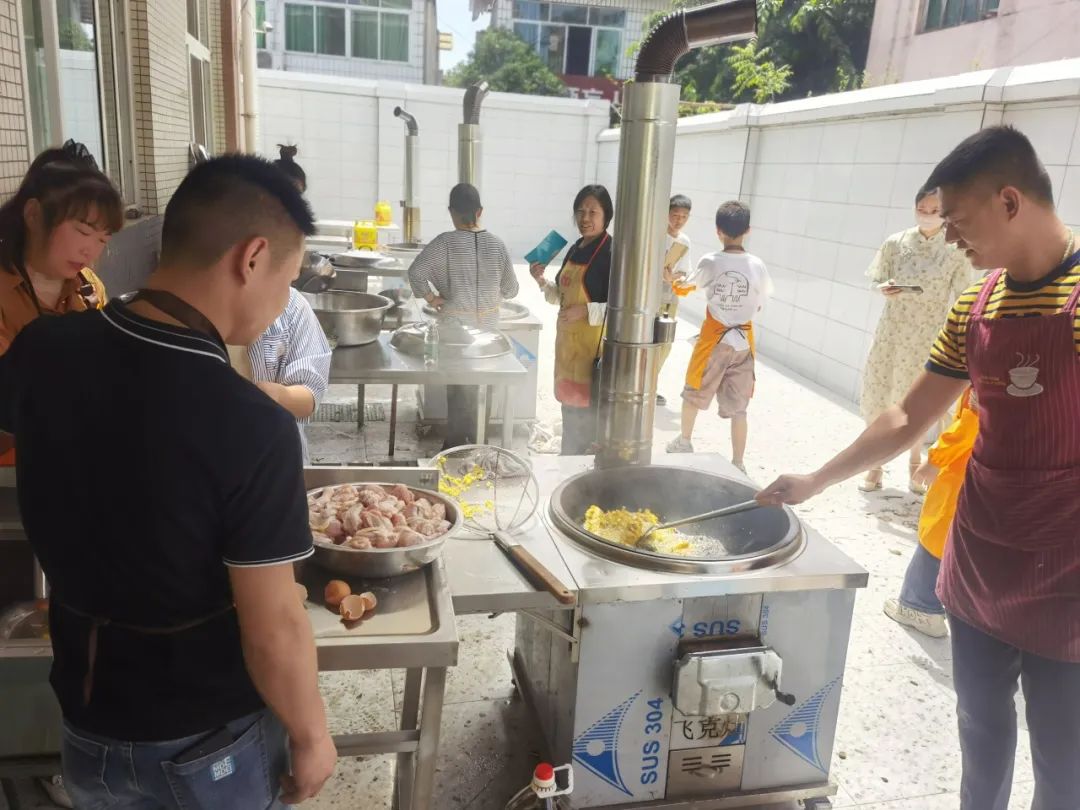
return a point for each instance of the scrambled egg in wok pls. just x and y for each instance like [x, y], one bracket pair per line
[625, 527]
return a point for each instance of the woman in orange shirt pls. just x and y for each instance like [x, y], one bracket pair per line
[946, 465]
[51, 231]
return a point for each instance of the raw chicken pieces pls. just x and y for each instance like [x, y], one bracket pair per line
[372, 516]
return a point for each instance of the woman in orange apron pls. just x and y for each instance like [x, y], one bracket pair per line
[51, 231]
[581, 291]
[918, 606]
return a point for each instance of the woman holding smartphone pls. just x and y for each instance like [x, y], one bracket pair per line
[921, 276]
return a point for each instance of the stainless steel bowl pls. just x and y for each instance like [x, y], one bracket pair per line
[761, 538]
[350, 318]
[348, 279]
[378, 563]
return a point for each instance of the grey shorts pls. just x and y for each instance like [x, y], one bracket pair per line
[728, 377]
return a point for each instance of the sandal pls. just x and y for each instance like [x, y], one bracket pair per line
[916, 487]
[872, 482]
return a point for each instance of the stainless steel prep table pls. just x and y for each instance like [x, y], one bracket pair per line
[412, 628]
[379, 362]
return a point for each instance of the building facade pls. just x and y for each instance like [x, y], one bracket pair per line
[395, 40]
[140, 82]
[925, 39]
[587, 43]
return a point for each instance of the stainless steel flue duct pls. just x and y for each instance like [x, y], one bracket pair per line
[411, 203]
[646, 156]
[469, 135]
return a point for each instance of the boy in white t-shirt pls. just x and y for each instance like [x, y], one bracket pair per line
[736, 284]
[674, 271]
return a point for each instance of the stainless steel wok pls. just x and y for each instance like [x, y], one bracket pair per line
[378, 563]
[350, 318]
[751, 540]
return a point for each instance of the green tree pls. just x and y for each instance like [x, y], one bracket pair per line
[509, 65]
[810, 47]
[756, 73]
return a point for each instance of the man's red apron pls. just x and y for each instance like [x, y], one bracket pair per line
[1012, 563]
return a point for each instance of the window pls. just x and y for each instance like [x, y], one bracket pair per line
[610, 17]
[260, 24]
[299, 28]
[947, 13]
[380, 30]
[365, 34]
[573, 40]
[394, 37]
[200, 108]
[330, 31]
[606, 61]
[62, 74]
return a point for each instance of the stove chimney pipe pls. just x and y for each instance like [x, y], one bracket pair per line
[411, 203]
[469, 136]
[646, 155]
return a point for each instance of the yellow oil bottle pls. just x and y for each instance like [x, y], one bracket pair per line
[365, 235]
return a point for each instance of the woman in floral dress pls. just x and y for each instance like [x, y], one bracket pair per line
[918, 257]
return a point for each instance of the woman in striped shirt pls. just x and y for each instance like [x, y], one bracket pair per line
[465, 273]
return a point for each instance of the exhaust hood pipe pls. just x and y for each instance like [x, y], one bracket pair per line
[469, 136]
[635, 333]
[411, 203]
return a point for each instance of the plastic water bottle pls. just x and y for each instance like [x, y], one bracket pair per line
[431, 344]
[544, 792]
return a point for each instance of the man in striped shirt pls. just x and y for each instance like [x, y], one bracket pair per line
[465, 273]
[1010, 577]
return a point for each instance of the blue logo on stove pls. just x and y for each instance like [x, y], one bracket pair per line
[597, 750]
[798, 732]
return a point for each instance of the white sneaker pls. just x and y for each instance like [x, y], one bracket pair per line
[929, 624]
[680, 445]
[54, 788]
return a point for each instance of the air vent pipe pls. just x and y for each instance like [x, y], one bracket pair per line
[635, 334]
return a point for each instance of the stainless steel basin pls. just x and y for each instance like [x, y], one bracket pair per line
[751, 540]
[350, 318]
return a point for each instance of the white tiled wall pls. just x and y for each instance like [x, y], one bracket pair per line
[535, 153]
[829, 179]
[14, 154]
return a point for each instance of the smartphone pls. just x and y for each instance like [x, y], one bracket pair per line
[205, 747]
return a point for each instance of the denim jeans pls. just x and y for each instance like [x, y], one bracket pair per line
[985, 672]
[920, 581]
[101, 773]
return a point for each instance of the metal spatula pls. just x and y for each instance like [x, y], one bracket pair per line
[735, 509]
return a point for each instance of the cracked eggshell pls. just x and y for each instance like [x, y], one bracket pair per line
[352, 607]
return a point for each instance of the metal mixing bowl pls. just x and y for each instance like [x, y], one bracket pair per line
[760, 538]
[377, 563]
[349, 279]
[350, 318]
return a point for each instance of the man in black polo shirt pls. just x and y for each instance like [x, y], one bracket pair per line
[163, 495]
